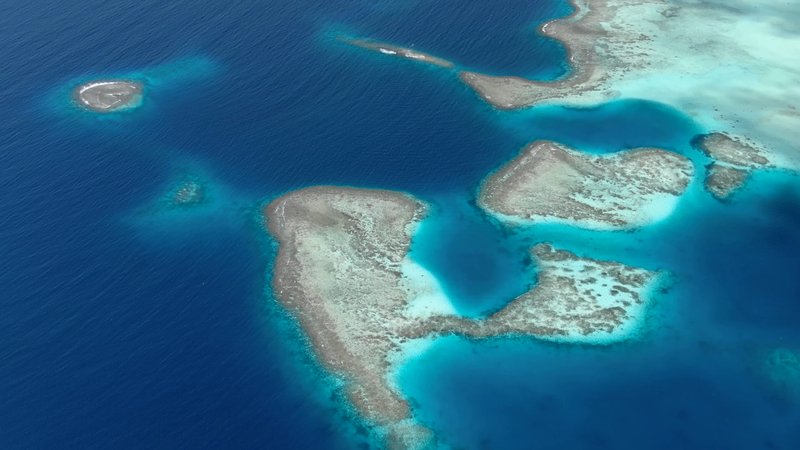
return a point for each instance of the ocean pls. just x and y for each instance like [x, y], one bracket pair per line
[126, 323]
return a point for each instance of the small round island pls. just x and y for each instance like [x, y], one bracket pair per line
[106, 96]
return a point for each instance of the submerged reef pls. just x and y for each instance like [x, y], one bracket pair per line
[106, 96]
[343, 270]
[549, 182]
[400, 52]
[734, 159]
[724, 181]
[782, 369]
[733, 72]
[187, 193]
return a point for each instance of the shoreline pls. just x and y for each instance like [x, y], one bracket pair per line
[398, 51]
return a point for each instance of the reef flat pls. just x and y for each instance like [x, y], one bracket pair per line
[549, 182]
[735, 72]
[400, 52]
[724, 181]
[343, 270]
[733, 151]
[735, 159]
[109, 95]
[339, 270]
[575, 300]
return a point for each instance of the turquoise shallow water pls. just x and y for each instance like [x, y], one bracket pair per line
[693, 376]
[610, 127]
[129, 324]
[481, 265]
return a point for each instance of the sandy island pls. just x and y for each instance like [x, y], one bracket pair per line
[400, 52]
[344, 272]
[109, 95]
[549, 182]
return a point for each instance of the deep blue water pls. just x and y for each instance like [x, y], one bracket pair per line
[695, 379]
[125, 325]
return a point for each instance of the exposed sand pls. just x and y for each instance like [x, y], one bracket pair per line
[343, 271]
[109, 95]
[730, 64]
[400, 52]
[549, 182]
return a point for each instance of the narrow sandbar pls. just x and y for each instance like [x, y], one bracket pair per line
[549, 182]
[106, 96]
[400, 52]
